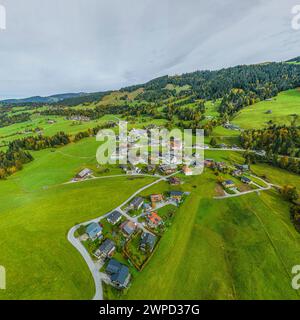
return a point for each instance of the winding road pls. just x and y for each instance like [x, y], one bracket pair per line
[93, 266]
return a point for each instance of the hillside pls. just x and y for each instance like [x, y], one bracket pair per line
[218, 243]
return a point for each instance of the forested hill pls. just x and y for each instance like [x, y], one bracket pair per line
[296, 60]
[268, 78]
[260, 81]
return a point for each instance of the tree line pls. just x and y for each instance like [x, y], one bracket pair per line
[17, 154]
[6, 120]
[276, 139]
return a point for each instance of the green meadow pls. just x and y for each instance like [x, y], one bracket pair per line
[283, 107]
[242, 248]
[37, 211]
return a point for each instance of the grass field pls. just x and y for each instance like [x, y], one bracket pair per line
[283, 106]
[241, 248]
[17, 131]
[223, 135]
[36, 215]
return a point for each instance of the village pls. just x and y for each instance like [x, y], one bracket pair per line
[122, 242]
[126, 238]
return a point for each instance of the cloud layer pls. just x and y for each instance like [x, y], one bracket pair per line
[55, 46]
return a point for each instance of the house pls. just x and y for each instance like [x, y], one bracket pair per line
[137, 203]
[154, 220]
[148, 241]
[119, 274]
[209, 163]
[236, 173]
[174, 181]
[243, 167]
[128, 228]
[79, 118]
[228, 184]
[147, 207]
[221, 165]
[151, 168]
[114, 217]
[106, 249]
[167, 169]
[246, 180]
[156, 197]
[94, 230]
[176, 195]
[176, 144]
[84, 174]
[231, 126]
[187, 171]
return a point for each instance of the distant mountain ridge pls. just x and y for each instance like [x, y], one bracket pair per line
[48, 99]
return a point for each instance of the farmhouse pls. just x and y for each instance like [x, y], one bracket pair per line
[246, 180]
[174, 181]
[147, 207]
[187, 171]
[137, 203]
[236, 173]
[221, 165]
[151, 168]
[119, 274]
[176, 195]
[148, 241]
[106, 249]
[168, 169]
[209, 163]
[114, 217]
[79, 118]
[94, 230]
[123, 167]
[243, 167]
[154, 220]
[84, 174]
[156, 197]
[228, 184]
[128, 228]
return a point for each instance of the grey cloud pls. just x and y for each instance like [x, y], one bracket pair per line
[54, 46]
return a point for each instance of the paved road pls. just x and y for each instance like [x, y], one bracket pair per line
[97, 275]
[269, 186]
[92, 266]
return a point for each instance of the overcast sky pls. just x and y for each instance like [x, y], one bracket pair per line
[57, 46]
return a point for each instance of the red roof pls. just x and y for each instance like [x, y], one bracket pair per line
[154, 218]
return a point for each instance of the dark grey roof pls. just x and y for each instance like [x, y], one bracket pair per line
[137, 201]
[119, 273]
[114, 216]
[107, 246]
[148, 239]
[129, 228]
[176, 193]
[113, 266]
[121, 276]
[246, 179]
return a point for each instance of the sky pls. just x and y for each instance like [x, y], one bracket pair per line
[58, 46]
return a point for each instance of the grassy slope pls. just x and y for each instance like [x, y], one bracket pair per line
[6, 133]
[240, 248]
[40, 262]
[283, 106]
